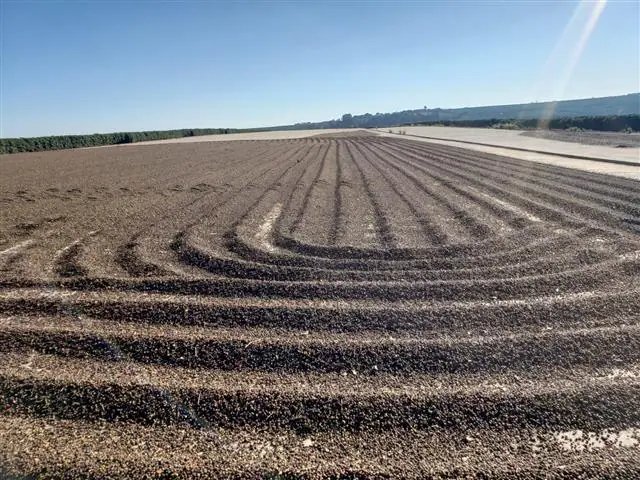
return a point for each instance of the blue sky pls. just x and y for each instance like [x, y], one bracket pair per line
[100, 66]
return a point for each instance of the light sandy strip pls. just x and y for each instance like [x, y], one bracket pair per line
[84, 325]
[50, 368]
[17, 248]
[508, 206]
[61, 252]
[556, 158]
[264, 231]
[107, 450]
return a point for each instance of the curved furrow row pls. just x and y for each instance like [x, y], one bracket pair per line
[174, 249]
[201, 303]
[299, 202]
[358, 220]
[381, 224]
[97, 257]
[340, 306]
[612, 187]
[478, 179]
[400, 221]
[368, 353]
[586, 209]
[286, 198]
[317, 219]
[128, 257]
[157, 395]
[218, 237]
[606, 274]
[336, 226]
[604, 196]
[472, 222]
[178, 193]
[425, 212]
[501, 219]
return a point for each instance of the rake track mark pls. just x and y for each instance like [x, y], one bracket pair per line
[399, 225]
[316, 222]
[16, 248]
[11, 257]
[65, 262]
[298, 202]
[484, 217]
[317, 403]
[293, 195]
[368, 353]
[172, 235]
[586, 209]
[513, 208]
[377, 224]
[431, 231]
[581, 309]
[590, 182]
[115, 252]
[133, 255]
[359, 220]
[588, 193]
[209, 236]
[336, 225]
[547, 212]
[241, 232]
[240, 308]
[462, 219]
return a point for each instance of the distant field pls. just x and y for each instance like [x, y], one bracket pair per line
[514, 144]
[272, 135]
[611, 139]
[340, 305]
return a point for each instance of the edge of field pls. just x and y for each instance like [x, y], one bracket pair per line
[549, 152]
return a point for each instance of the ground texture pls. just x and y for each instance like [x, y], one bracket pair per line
[336, 306]
[612, 139]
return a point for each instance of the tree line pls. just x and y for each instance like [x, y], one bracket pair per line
[609, 123]
[58, 142]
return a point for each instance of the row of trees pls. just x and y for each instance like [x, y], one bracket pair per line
[37, 144]
[610, 123]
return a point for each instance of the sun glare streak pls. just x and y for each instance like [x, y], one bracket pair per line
[558, 53]
[575, 50]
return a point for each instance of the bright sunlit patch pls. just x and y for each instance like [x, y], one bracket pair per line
[579, 441]
[569, 48]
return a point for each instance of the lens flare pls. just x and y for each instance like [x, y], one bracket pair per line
[569, 49]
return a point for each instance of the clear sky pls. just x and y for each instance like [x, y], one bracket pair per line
[100, 66]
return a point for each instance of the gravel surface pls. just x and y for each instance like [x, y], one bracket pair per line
[339, 306]
[611, 139]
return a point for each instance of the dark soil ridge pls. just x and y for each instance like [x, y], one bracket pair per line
[246, 453]
[588, 278]
[573, 309]
[367, 354]
[603, 214]
[118, 392]
[374, 307]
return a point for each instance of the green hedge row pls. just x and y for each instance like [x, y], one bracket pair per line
[38, 144]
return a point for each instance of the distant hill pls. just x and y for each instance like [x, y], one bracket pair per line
[606, 113]
[587, 107]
